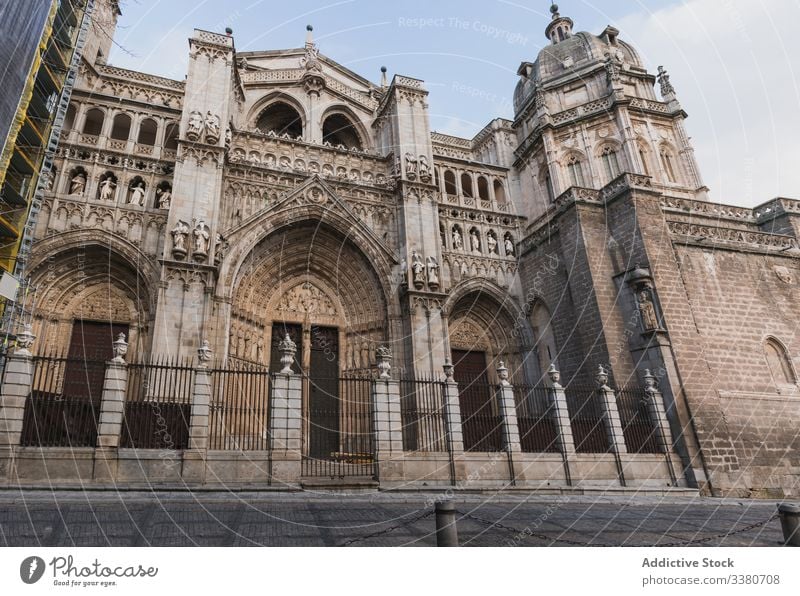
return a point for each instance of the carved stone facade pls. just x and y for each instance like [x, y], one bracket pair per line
[283, 189]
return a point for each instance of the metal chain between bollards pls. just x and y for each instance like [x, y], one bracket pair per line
[407, 522]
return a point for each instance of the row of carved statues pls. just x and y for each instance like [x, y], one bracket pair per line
[106, 190]
[475, 244]
[424, 271]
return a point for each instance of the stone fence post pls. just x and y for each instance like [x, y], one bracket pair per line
[17, 382]
[559, 410]
[194, 458]
[112, 404]
[387, 421]
[610, 413]
[286, 417]
[508, 411]
[657, 412]
[452, 412]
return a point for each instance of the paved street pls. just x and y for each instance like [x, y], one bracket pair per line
[75, 518]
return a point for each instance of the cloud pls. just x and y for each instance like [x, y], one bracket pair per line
[736, 73]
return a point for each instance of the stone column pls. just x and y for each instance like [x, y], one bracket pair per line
[387, 421]
[14, 392]
[112, 413]
[508, 411]
[452, 422]
[16, 387]
[610, 413]
[194, 458]
[560, 412]
[286, 418]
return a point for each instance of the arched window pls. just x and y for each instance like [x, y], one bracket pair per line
[94, 122]
[548, 183]
[483, 189]
[499, 193]
[449, 183]
[147, 132]
[171, 136]
[281, 119]
[121, 130]
[610, 163]
[643, 157]
[338, 130]
[466, 185]
[69, 121]
[545, 341]
[780, 367]
[669, 167]
[575, 171]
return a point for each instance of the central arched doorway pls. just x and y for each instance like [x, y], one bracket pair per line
[311, 282]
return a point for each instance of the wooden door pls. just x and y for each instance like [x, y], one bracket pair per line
[323, 404]
[479, 421]
[90, 347]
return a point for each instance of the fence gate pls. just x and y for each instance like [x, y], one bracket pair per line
[338, 420]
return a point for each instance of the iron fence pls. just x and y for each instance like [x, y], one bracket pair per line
[338, 423]
[537, 428]
[640, 433]
[422, 413]
[586, 420]
[240, 407]
[481, 424]
[63, 407]
[158, 404]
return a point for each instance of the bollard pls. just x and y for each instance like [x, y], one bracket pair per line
[446, 531]
[790, 523]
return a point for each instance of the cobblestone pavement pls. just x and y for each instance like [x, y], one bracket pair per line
[75, 518]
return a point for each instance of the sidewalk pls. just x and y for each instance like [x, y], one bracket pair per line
[75, 518]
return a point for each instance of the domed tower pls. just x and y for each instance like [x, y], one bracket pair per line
[586, 111]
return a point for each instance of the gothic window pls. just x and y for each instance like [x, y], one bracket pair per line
[450, 183]
[575, 171]
[147, 132]
[545, 341]
[171, 136]
[499, 193]
[483, 188]
[643, 157]
[466, 185]
[669, 167]
[338, 130]
[610, 163]
[548, 182]
[121, 130]
[780, 367]
[69, 121]
[94, 122]
[280, 118]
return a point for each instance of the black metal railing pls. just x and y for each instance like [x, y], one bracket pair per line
[586, 420]
[63, 407]
[537, 427]
[641, 435]
[338, 423]
[423, 416]
[481, 424]
[158, 404]
[240, 406]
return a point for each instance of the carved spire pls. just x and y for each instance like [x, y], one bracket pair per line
[663, 81]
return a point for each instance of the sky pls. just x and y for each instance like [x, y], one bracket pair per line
[732, 62]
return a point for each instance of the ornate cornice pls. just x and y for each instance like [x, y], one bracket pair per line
[719, 237]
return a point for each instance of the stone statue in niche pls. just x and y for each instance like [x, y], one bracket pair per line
[179, 234]
[647, 310]
[458, 242]
[220, 247]
[164, 196]
[212, 127]
[201, 240]
[491, 243]
[433, 273]
[417, 270]
[194, 127]
[137, 194]
[107, 188]
[228, 137]
[411, 166]
[78, 184]
[424, 169]
[475, 241]
[509, 245]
